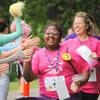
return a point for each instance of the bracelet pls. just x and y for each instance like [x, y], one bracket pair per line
[82, 82]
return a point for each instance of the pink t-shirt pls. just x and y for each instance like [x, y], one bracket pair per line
[94, 45]
[41, 68]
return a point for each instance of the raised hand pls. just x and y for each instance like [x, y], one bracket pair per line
[27, 43]
[28, 54]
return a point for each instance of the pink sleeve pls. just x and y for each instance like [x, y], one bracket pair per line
[97, 63]
[98, 48]
[35, 63]
[35, 48]
[84, 65]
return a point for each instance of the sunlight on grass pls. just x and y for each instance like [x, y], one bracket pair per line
[15, 86]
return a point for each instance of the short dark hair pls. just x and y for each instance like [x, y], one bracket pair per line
[3, 25]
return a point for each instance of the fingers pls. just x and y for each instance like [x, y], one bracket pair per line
[28, 52]
[36, 41]
[28, 55]
[93, 55]
[4, 68]
[31, 42]
[30, 37]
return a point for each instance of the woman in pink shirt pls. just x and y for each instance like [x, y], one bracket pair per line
[54, 72]
[86, 47]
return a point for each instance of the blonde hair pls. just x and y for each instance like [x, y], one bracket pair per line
[91, 26]
[16, 9]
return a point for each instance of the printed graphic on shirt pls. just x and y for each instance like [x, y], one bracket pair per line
[55, 67]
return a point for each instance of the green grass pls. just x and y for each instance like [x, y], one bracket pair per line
[14, 85]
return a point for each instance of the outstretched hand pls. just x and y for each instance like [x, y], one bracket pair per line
[28, 54]
[27, 43]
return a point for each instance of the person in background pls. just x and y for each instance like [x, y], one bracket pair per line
[4, 68]
[53, 70]
[6, 51]
[9, 37]
[85, 46]
[70, 34]
[19, 64]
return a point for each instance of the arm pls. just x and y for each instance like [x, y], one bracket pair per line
[8, 53]
[28, 74]
[18, 55]
[10, 46]
[4, 68]
[96, 56]
[10, 37]
[78, 82]
[86, 75]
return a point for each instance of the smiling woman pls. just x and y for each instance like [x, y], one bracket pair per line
[85, 46]
[54, 72]
[52, 37]
[48, 65]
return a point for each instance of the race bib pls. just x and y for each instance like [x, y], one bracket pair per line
[50, 83]
[57, 84]
[92, 75]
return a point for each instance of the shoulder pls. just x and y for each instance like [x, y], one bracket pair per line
[94, 41]
[93, 38]
[69, 41]
[40, 51]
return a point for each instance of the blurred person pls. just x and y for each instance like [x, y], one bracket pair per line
[85, 46]
[70, 34]
[4, 68]
[53, 70]
[13, 48]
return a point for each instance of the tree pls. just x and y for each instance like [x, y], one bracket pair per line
[40, 12]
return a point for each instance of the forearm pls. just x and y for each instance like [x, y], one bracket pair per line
[86, 75]
[4, 68]
[80, 80]
[10, 46]
[28, 74]
[18, 55]
[9, 53]
[10, 37]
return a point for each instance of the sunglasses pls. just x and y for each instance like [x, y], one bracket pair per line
[55, 33]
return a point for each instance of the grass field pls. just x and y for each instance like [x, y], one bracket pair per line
[15, 86]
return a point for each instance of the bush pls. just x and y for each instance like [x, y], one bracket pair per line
[12, 72]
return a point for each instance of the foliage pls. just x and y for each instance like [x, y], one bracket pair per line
[15, 85]
[40, 12]
[12, 72]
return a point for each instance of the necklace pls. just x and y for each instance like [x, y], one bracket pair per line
[80, 42]
[51, 61]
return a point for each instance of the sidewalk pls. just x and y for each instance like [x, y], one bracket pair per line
[33, 92]
[13, 94]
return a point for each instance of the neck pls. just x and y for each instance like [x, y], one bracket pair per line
[52, 48]
[83, 37]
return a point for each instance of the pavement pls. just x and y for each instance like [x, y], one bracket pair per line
[33, 92]
[12, 95]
